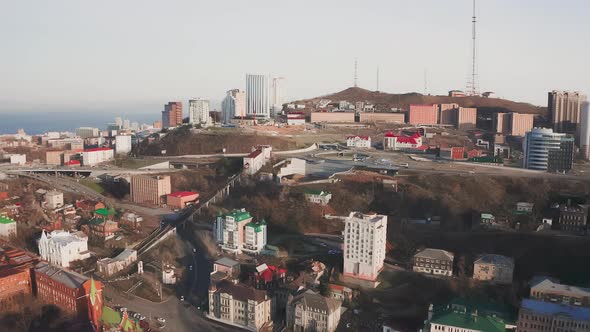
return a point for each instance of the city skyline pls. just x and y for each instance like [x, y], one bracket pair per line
[59, 68]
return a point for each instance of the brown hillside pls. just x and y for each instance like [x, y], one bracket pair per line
[387, 100]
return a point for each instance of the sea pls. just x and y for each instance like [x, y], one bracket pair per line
[35, 123]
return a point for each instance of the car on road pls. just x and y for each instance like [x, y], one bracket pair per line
[182, 298]
[404, 165]
[190, 267]
[194, 251]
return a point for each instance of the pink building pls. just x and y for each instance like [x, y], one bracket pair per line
[466, 118]
[180, 199]
[332, 117]
[521, 124]
[423, 114]
[382, 117]
[447, 113]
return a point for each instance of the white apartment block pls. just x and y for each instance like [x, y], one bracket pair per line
[257, 96]
[256, 159]
[62, 247]
[239, 305]
[362, 142]
[54, 199]
[86, 132]
[96, 156]
[123, 144]
[229, 230]
[318, 197]
[233, 105]
[365, 238]
[7, 228]
[198, 112]
[18, 159]
[255, 237]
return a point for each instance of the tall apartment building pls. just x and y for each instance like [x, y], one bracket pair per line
[423, 114]
[585, 131]
[538, 316]
[229, 230]
[123, 144]
[62, 247]
[546, 150]
[257, 96]
[91, 157]
[565, 110]
[239, 304]
[150, 189]
[86, 132]
[552, 291]
[513, 124]
[72, 292]
[233, 105]
[172, 114]
[276, 102]
[310, 311]
[198, 112]
[466, 118]
[254, 237]
[364, 245]
[447, 113]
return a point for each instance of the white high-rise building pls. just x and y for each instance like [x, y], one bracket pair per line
[277, 95]
[122, 144]
[233, 105]
[230, 230]
[257, 96]
[198, 112]
[62, 247]
[365, 238]
[86, 132]
[126, 124]
[585, 131]
[119, 122]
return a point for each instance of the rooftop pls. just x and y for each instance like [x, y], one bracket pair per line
[241, 292]
[435, 254]
[317, 192]
[97, 149]
[257, 225]
[225, 261]
[6, 220]
[254, 154]
[239, 215]
[494, 259]
[470, 322]
[183, 194]
[317, 302]
[550, 285]
[548, 308]
[68, 278]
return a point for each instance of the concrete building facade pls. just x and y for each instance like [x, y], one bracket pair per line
[123, 144]
[546, 150]
[466, 118]
[92, 157]
[239, 305]
[363, 142]
[312, 312]
[198, 112]
[434, 261]
[54, 199]
[336, 117]
[552, 291]
[496, 268]
[370, 117]
[585, 131]
[538, 316]
[7, 228]
[233, 105]
[257, 96]
[172, 114]
[565, 110]
[364, 245]
[150, 189]
[62, 247]
[423, 114]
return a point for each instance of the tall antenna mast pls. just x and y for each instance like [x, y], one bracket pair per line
[377, 78]
[355, 72]
[472, 86]
[425, 81]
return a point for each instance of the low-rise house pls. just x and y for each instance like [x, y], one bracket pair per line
[496, 268]
[268, 276]
[131, 220]
[318, 197]
[180, 199]
[312, 312]
[539, 316]
[295, 118]
[289, 167]
[225, 268]
[239, 305]
[110, 266]
[100, 228]
[549, 290]
[360, 142]
[89, 205]
[256, 159]
[54, 199]
[524, 207]
[487, 219]
[61, 247]
[340, 293]
[573, 218]
[434, 261]
[7, 228]
[395, 142]
[462, 316]
[453, 153]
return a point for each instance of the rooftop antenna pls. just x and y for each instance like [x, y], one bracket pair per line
[355, 72]
[377, 78]
[472, 86]
[425, 81]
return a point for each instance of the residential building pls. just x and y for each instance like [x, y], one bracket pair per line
[7, 228]
[229, 230]
[395, 142]
[54, 199]
[227, 266]
[150, 189]
[62, 247]
[254, 237]
[447, 114]
[524, 207]
[15, 277]
[172, 114]
[464, 316]
[257, 96]
[198, 112]
[70, 291]
[239, 305]
[180, 199]
[268, 277]
[312, 312]
[256, 159]
[358, 141]
[340, 293]
[573, 218]
[295, 118]
[16, 159]
[91, 157]
[496, 268]
[157, 125]
[386, 117]
[565, 110]
[86, 132]
[318, 197]
[276, 102]
[434, 261]
[100, 228]
[545, 150]
[233, 105]
[131, 219]
[290, 167]
[466, 118]
[332, 117]
[513, 124]
[110, 266]
[123, 144]
[538, 316]
[549, 290]
[423, 114]
[66, 143]
[585, 131]
[453, 153]
[364, 245]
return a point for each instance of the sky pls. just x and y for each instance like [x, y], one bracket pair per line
[134, 56]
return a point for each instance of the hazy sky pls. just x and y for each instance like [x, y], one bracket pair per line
[138, 54]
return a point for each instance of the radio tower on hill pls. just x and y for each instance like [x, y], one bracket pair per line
[472, 85]
[355, 73]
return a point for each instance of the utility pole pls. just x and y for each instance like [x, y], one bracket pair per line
[355, 72]
[377, 78]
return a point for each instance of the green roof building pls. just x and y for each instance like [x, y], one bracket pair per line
[318, 196]
[7, 227]
[462, 315]
[5, 220]
[255, 237]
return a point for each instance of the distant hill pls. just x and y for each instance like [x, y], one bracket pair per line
[387, 100]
